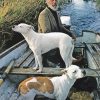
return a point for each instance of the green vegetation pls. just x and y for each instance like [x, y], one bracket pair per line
[98, 4]
[12, 11]
[16, 11]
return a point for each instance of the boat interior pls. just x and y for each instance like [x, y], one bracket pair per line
[22, 68]
[21, 61]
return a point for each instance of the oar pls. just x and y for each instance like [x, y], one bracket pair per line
[3, 76]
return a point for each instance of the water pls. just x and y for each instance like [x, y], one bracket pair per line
[84, 15]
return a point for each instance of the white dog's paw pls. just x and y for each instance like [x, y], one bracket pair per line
[35, 68]
[39, 71]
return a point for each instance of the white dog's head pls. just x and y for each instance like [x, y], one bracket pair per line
[22, 28]
[74, 72]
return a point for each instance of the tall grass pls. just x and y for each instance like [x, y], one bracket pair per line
[16, 11]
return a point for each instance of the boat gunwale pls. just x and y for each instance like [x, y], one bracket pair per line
[11, 48]
[87, 31]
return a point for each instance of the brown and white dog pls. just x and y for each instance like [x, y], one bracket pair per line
[42, 43]
[54, 88]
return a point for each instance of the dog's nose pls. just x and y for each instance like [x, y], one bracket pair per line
[84, 72]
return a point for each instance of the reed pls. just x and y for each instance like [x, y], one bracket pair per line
[16, 11]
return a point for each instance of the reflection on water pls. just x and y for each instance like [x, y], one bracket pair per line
[78, 4]
[84, 15]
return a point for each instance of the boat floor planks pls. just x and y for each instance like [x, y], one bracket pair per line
[14, 95]
[28, 61]
[4, 86]
[21, 59]
[48, 71]
[97, 48]
[7, 89]
[94, 49]
[23, 66]
[32, 64]
[8, 92]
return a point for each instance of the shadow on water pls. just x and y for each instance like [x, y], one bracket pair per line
[84, 15]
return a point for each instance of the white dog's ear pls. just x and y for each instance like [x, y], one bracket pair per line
[31, 27]
[64, 71]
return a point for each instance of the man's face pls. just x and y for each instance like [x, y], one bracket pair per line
[52, 3]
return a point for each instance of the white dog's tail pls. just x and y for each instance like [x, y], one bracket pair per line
[70, 53]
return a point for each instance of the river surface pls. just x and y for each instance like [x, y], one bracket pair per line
[84, 15]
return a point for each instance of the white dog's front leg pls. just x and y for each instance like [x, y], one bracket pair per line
[36, 63]
[39, 59]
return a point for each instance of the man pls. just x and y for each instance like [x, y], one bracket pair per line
[49, 21]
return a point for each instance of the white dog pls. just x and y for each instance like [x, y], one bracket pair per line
[54, 88]
[42, 43]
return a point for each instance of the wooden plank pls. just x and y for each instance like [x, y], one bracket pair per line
[28, 60]
[32, 64]
[90, 60]
[97, 53]
[97, 48]
[30, 71]
[3, 54]
[5, 73]
[49, 71]
[14, 95]
[4, 86]
[20, 60]
[94, 55]
[90, 48]
[8, 92]
[92, 72]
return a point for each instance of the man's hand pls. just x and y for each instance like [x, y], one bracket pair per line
[74, 37]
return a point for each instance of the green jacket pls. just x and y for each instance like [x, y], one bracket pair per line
[47, 22]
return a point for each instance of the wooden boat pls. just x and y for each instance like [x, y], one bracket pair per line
[16, 64]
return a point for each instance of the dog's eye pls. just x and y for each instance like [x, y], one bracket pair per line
[75, 71]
